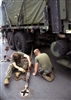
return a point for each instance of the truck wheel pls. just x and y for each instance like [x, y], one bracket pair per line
[10, 39]
[20, 43]
[59, 48]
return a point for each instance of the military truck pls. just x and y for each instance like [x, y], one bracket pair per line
[39, 22]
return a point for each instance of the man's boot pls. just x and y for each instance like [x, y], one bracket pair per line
[6, 81]
[17, 74]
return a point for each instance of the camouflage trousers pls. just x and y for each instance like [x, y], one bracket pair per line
[11, 68]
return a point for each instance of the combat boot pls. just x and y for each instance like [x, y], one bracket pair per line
[17, 74]
[48, 78]
[6, 81]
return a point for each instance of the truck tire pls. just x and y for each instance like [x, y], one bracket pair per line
[59, 48]
[20, 43]
[10, 39]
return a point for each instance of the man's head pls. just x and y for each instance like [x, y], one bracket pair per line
[15, 55]
[36, 52]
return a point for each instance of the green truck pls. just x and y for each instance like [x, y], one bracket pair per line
[39, 22]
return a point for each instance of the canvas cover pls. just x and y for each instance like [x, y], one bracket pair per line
[32, 11]
[4, 19]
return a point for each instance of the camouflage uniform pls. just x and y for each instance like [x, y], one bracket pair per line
[19, 62]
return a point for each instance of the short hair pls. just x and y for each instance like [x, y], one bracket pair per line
[15, 55]
[36, 50]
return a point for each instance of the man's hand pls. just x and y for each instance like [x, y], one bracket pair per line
[34, 74]
[21, 69]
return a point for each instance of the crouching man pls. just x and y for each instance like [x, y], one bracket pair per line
[43, 66]
[17, 63]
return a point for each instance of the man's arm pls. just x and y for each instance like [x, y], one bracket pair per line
[28, 58]
[14, 64]
[35, 68]
[17, 67]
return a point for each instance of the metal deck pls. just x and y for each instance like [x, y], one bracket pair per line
[40, 89]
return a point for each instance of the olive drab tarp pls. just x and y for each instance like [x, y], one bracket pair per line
[32, 11]
[4, 19]
[13, 8]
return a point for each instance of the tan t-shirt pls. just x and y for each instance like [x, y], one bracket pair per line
[44, 61]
